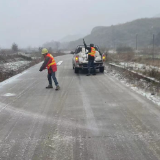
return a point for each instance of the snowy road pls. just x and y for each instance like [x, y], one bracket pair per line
[90, 118]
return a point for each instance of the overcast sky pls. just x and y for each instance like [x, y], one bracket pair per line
[34, 22]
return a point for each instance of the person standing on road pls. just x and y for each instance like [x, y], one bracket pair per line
[50, 64]
[91, 58]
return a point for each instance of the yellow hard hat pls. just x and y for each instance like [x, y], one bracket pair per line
[44, 50]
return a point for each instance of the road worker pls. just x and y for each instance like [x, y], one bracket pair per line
[50, 64]
[91, 58]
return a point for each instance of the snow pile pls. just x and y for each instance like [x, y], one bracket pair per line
[14, 66]
[140, 86]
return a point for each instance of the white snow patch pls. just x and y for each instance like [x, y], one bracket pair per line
[138, 66]
[14, 66]
[129, 68]
[59, 63]
[9, 95]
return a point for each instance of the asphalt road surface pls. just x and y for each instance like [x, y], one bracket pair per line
[90, 118]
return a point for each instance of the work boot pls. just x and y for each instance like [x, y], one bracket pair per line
[94, 72]
[57, 88]
[49, 86]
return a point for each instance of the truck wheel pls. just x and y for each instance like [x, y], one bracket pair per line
[76, 70]
[101, 69]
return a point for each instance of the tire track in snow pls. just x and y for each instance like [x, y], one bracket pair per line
[152, 146]
[62, 140]
[18, 96]
[5, 107]
[12, 122]
[92, 126]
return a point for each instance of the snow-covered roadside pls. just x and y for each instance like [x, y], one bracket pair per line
[138, 66]
[140, 89]
[10, 69]
[14, 66]
[135, 72]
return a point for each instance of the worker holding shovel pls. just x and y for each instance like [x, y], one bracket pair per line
[50, 64]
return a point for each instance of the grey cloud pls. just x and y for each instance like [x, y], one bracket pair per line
[33, 22]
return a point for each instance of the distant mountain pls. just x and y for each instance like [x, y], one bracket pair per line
[55, 45]
[71, 38]
[123, 34]
[156, 16]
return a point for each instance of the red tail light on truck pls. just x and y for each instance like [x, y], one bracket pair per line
[77, 59]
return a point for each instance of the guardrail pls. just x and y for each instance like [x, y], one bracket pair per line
[150, 79]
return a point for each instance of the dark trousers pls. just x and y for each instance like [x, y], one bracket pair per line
[91, 64]
[52, 76]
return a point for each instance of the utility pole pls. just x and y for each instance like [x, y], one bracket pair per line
[113, 39]
[153, 48]
[136, 41]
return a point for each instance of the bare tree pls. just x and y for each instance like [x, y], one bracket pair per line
[50, 49]
[40, 49]
[57, 46]
[15, 47]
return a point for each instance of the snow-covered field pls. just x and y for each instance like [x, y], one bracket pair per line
[14, 66]
[138, 66]
[140, 86]
[138, 69]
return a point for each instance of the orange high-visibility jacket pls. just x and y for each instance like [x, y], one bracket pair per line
[93, 52]
[51, 63]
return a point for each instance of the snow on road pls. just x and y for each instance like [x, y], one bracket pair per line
[142, 91]
[59, 63]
